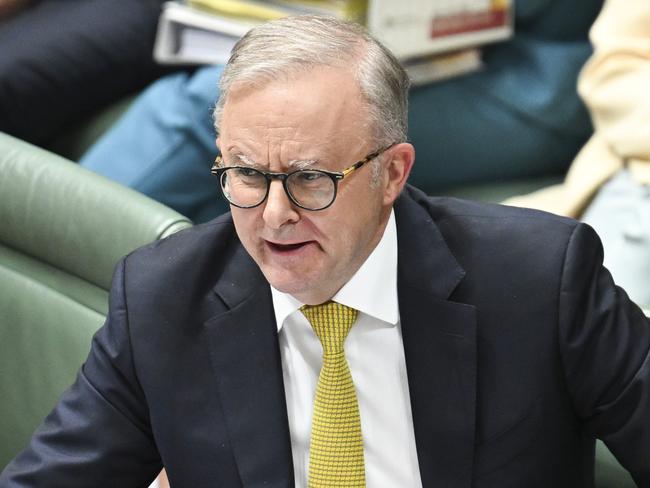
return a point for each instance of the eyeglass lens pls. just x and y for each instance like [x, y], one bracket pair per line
[247, 187]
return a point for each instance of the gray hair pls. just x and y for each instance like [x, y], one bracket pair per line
[279, 48]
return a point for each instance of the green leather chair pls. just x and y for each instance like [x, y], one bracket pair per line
[609, 473]
[62, 230]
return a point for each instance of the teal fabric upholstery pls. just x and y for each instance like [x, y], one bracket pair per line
[62, 230]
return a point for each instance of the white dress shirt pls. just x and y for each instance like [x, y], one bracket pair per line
[375, 354]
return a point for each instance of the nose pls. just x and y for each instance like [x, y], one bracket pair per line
[278, 209]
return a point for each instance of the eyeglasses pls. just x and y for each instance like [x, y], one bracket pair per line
[310, 189]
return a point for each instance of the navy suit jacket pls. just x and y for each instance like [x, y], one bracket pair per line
[519, 350]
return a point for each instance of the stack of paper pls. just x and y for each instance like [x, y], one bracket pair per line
[434, 39]
[187, 35]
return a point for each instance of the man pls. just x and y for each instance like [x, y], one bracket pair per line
[488, 345]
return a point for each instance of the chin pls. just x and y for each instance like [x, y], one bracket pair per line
[286, 282]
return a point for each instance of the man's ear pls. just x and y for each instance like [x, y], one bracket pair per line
[218, 142]
[396, 170]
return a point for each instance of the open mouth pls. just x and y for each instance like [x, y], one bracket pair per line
[286, 248]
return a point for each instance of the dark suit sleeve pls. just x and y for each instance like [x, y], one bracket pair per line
[98, 435]
[605, 344]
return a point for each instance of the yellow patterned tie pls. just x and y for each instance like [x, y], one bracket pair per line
[336, 448]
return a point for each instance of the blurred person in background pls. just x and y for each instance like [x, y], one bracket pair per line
[62, 60]
[608, 184]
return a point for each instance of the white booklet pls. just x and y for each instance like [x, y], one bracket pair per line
[187, 35]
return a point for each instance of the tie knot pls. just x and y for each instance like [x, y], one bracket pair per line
[331, 322]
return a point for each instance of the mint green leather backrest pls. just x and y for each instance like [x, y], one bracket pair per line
[62, 230]
[609, 473]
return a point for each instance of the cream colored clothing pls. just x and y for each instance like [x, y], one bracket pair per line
[615, 85]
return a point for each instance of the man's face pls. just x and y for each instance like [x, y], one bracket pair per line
[314, 119]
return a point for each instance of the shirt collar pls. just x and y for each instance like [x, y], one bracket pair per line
[372, 290]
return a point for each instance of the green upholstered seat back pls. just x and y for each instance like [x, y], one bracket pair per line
[44, 337]
[62, 230]
[609, 473]
[67, 216]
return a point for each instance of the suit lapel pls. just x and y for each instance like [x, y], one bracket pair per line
[247, 364]
[440, 347]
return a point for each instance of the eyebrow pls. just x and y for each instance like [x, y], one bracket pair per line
[301, 163]
[245, 159]
[294, 163]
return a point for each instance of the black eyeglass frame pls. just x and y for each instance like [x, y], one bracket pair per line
[218, 170]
